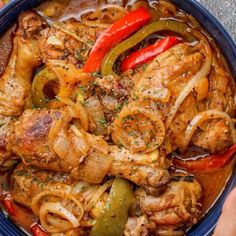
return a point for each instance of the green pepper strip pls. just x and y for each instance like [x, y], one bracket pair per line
[114, 218]
[40, 80]
[163, 25]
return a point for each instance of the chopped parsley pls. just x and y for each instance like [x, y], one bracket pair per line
[103, 121]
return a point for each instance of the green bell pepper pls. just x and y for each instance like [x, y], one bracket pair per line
[115, 215]
[162, 25]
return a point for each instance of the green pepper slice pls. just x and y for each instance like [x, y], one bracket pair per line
[162, 25]
[114, 218]
[39, 99]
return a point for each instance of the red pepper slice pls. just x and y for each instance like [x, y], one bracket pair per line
[212, 162]
[9, 205]
[146, 54]
[118, 31]
[38, 231]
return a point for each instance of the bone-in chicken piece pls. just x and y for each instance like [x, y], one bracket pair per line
[168, 73]
[178, 205]
[34, 131]
[27, 182]
[69, 41]
[15, 83]
[29, 140]
[216, 137]
[136, 226]
[148, 170]
[5, 132]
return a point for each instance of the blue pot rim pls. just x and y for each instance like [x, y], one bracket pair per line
[228, 47]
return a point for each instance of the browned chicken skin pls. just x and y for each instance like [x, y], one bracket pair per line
[30, 141]
[176, 207]
[136, 226]
[5, 132]
[15, 82]
[171, 71]
[27, 182]
[216, 137]
[65, 41]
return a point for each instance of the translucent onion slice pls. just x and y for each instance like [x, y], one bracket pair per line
[130, 129]
[56, 208]
[59, 223]
[95, 111]
[95, 167]
[79, 187]
[98, 195]
[37, 200]
[203, 116]
[77, 110]
[203, 72]
[79, 142]
[90, 191]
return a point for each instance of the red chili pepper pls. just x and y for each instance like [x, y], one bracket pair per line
[146, 54]
[9, 205]
[38, 231]
[118, 31]
[212, 162]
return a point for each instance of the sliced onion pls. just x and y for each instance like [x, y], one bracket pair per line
[98, 143]
[79, 187]
[98, 195]
[95, 167]
[58, 209]
[48, 204]
[95, 111]
[61, 145]
[89, 193]
[37, 200]
[76, 110]
[59, 223]
[80, 141]
[203, 72]
[54, 130]
[136, 142]
[203, 116]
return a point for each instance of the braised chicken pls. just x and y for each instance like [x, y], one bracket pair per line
[136, 226]
[27, 182]
[177, 206]
[168, 73]
[15, 83]
[31, 141]
[109, 114]
[67, 42]
[5, 132]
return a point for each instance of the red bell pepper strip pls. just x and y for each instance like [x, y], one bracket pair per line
[9, 206]
[212, 162]
[38, 231]
[146, 54]
[118, 31]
